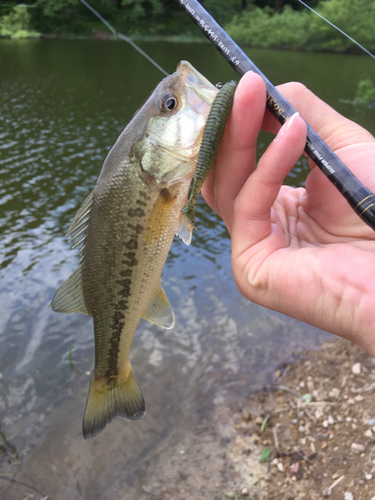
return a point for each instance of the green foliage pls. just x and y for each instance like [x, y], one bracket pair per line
[142, 16]
[5, 8]
[16, 24]
[264, 423]
[306, 398]
[252, 22]
[264, 28]
[153, 17]
[141, 8]
[61, 7]
[305, 30]
[365, 92]
[223, 12]
[355, 17]
[275, 4]
[57, 16]
[145, 17]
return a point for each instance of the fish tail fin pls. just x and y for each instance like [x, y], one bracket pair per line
[109, 397]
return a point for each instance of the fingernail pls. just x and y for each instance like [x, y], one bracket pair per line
[284, 129]
[241, 81]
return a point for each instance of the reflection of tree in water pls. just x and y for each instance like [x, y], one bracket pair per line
[8, 452]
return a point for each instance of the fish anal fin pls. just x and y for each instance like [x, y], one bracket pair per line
[160, 311]
[185, 229]
[69, 297]
[108, 398]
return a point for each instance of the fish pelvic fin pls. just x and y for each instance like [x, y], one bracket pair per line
[160, 311]
[110, 397]
[185, 229]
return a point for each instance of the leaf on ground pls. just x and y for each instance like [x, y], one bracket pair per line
[264, 423]
[265, 454]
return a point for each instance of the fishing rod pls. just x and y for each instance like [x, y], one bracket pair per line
[360, 198]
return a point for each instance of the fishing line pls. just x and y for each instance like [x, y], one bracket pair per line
[338, 29]
[123, 37]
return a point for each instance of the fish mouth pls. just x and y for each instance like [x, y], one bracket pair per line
[197, 82]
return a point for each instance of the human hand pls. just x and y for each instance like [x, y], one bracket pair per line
[303, 252]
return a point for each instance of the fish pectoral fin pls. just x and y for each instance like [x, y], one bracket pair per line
[69, 297]
[185, 229]
[160, 217]
[159, 310]
[110, 397]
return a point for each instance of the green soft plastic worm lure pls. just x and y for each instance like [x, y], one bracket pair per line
[212, 135]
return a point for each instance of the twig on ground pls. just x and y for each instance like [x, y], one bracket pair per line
[297, 412]
[321, 403]
[327, 492]
[287, 389]
[45, 497]
[303, 456]
[311, 417]
[344, 379]
[215, 492]
[365, 388]
[275, 437]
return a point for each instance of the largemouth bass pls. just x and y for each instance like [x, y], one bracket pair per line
[124, 230]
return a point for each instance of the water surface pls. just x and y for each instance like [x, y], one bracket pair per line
[62, 105]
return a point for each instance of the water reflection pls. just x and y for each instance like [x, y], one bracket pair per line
[63, 103]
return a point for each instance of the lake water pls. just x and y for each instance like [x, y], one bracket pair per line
[62, 105]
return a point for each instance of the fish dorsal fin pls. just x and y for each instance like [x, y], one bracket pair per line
[160, 311]
[185, 229]
[69, 297]
[78, 228]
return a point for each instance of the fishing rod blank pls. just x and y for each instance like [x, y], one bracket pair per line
[359, 197]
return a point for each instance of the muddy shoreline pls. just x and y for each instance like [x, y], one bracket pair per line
[309, 435]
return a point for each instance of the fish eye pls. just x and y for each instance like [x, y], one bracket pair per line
[169, 103]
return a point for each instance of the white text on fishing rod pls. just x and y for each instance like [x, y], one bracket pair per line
[320, 157]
